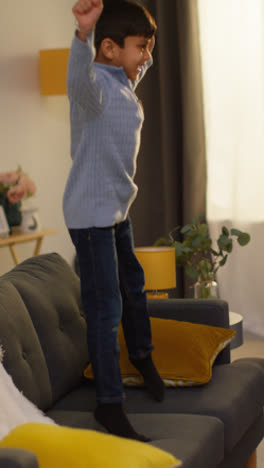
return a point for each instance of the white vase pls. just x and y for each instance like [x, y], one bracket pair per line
[30, 220]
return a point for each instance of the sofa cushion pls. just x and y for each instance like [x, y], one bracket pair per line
[23, 356]
[197, 440]
[234, 395]
[213, 312]
[184, 352]
[51, 292]
[64, 447]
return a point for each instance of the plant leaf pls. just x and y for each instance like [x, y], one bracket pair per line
[225, 243]
[225, 231]
[196, 219]
[214, 252]
[191, 272]
[235, 232]
[186, 229]
[196, 241]
[223, 261]
[203, 230]
[243, 239]
[161, 241]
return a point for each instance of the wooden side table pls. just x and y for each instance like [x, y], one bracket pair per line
[21, 238]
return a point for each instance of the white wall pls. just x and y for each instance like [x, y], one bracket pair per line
[35, 129]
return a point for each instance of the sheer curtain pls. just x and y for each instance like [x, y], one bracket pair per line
[232, 54]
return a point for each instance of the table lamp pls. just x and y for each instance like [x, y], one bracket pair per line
[159, 266]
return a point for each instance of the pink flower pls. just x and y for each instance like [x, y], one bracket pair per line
[16, 193]
[9, 178]
[17, 185]
[27, 183]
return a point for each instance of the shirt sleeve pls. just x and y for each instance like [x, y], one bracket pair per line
[83, 85]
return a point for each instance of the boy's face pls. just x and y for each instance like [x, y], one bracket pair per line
[135, 53]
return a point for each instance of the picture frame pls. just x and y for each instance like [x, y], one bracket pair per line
[4, 226]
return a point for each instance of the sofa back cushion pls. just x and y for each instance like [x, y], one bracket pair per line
[50, 291]
[23, 356]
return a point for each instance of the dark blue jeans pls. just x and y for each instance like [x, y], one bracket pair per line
[112, 288]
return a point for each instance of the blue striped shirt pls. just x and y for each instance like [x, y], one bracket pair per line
[106, 120]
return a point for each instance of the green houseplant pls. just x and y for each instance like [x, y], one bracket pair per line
[198, 256]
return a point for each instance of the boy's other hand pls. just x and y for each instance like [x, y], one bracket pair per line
[87, 13]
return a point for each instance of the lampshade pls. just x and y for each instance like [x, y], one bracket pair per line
[53, 71]
[159, 267]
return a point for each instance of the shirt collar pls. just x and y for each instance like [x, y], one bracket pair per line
[117, 72]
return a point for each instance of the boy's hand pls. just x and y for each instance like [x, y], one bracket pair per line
[87, 13]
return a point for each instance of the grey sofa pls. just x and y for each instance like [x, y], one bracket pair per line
[43, 333]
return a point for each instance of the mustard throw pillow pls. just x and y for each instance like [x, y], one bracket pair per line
[184, 352]
[64, 447]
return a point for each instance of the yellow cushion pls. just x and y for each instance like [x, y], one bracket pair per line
[64, 447]
[184, 352]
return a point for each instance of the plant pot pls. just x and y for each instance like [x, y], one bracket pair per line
[12, 211]
[206, 288]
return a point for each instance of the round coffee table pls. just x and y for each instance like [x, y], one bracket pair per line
[236, 323]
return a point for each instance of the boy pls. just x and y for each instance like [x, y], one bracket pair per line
[106, 121]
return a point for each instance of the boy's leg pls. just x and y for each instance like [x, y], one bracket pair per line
[103, 308]
[135, 318]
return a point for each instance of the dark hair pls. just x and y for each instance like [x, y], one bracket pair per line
[122, 18]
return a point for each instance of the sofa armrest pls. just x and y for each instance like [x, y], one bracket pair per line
[17, 458]
[213, 312]
[204, 311]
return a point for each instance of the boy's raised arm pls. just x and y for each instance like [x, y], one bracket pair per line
[82, 86]
[87, 13]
